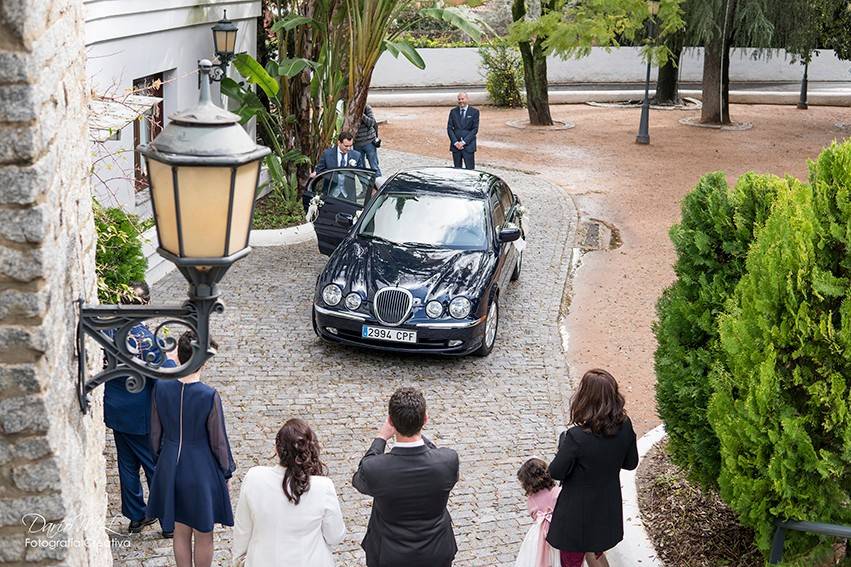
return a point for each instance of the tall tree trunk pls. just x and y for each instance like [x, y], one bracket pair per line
[534, 69]
[668, 81]
[357, 103]
[716, 72]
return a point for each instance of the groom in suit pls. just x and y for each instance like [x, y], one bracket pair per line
[410, 525]
[462, 127]
[341, 156]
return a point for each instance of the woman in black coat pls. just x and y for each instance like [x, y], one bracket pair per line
[588, 516]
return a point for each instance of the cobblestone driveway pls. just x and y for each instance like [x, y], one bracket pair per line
[495, 411]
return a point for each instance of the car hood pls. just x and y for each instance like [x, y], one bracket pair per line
[428, 273]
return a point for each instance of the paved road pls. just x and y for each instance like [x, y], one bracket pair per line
[495, 411]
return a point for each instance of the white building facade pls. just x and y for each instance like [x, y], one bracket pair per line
[150, 48]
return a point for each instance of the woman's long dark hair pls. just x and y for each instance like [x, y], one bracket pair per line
[298, 452]
[597, 404]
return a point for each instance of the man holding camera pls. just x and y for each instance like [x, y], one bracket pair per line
[367, 141]
[410, 485]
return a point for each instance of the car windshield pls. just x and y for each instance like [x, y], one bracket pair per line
[441, 221]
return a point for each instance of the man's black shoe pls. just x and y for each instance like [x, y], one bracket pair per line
[136, 525]
[167, 535]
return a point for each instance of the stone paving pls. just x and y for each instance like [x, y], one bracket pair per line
[495, 411]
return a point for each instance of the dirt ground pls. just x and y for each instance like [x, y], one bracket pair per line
[635, 188]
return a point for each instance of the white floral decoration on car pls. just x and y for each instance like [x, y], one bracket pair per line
[313, 208]
[352, 163]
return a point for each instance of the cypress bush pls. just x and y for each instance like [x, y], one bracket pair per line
[118, 258]
[781, 408]
[711, 243]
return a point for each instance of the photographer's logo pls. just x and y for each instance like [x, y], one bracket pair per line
[44, 534]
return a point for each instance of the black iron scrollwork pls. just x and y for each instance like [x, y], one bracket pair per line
[111, 326]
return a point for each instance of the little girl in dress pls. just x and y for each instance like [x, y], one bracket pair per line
[542, 493]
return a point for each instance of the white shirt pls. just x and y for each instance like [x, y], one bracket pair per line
[270, 530]
[418, 443]
[341, 156]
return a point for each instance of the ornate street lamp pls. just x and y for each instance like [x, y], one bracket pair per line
[204, 170]
[224, 44]
[644, 125]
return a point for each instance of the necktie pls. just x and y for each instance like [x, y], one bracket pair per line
[342, 160]
[463, 113]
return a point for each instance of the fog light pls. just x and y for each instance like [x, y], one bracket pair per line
[353, 301]
[331, 330]
[455, 343]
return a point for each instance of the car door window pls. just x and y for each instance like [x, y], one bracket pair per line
[496, 207]
[350, 186]
[505, 197]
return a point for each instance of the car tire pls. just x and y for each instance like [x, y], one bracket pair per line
[489, 338]
[515, 275]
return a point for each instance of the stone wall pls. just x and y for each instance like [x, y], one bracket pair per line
[51, 455]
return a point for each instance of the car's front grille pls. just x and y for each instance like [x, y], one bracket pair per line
[392, 305]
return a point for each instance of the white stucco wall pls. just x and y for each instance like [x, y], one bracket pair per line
[131, 39]
[462, 67]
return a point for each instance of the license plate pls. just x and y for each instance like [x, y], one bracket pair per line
[395, 335]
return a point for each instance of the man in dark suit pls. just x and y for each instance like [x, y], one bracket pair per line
[410, 525]
[129, 417]
[340, 156]
[462, 127]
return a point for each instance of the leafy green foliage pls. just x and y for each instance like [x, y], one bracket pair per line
[504, 77]
[711, 242]
[118, 258]
[572, 30]
[781, 408]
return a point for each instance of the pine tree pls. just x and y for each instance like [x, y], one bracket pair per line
[782, 411]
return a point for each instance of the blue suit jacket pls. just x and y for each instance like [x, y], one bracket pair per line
[328, 160]
[465, 130]
[131, 413]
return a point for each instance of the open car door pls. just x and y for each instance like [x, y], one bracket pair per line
[337, 195]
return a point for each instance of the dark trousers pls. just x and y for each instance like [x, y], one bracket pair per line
[134, 453]
[371, 152]
[469, 159]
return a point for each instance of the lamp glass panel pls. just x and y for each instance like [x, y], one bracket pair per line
[204, 196]
[162, 195]
[231, 41]
[243, 200]
[220, 41]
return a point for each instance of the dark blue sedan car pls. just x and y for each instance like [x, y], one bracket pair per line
[417, 266]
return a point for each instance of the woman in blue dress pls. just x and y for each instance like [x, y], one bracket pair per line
[194, 462]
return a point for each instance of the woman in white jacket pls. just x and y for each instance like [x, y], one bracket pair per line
[288, 514]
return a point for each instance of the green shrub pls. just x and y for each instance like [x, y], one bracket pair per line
[424, 41]
[118, 257]
[504, 77]
[711, 243]
[781, 412]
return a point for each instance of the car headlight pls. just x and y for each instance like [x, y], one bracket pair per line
[353, 301]
[434, 309]
[332, 294]
[459, 307]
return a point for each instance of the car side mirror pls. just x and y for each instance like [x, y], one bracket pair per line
[345, 220]
[509, 233]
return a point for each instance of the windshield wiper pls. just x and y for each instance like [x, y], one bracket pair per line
[378, 238]
[421, 245]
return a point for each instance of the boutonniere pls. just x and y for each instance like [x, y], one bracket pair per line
[352, 163]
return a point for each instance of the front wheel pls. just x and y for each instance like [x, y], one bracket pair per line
[491, 327]
[515, 275]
